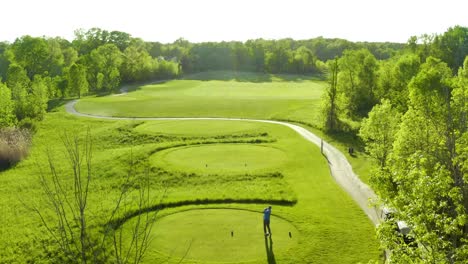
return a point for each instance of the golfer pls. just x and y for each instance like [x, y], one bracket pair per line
[266, 220]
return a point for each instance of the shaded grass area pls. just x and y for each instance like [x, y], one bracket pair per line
[252, 77]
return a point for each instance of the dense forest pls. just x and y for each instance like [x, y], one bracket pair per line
[407, 102]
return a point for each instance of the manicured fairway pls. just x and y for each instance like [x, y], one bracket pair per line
[274, 99]
[205, 236]
[222, 158]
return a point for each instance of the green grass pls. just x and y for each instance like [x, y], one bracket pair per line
[276, 99]
[196, 128]
[328, 227]
[205, 235]
[221, 158]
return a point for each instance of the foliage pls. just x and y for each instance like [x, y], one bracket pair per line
[77, 237]
[7, 107]
[422, 173]
[357, 82]
[330, 101]
[77, 82]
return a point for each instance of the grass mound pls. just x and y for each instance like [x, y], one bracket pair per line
[221, 158]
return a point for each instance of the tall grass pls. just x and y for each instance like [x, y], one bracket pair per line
[14, 146]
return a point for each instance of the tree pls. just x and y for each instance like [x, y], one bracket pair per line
[79, 237]
[7, 107]
[357, 81]
[32, 54]
[19, 83]
[427, 165]
[378, 132]
[55, 60]
[394, 77]
[104, 65]
[36, 100]
[303, 61]
[4, 61]
[331, 98]
[452, 46]
[137, 65]
[77, 82]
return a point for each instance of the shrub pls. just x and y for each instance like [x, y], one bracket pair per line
[14, 146]
[28, 124]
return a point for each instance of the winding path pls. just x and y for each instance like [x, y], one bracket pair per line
[340, 168]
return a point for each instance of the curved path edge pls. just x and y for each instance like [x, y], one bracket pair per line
[340, 168]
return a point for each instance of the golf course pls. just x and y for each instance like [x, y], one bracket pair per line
[214, 161]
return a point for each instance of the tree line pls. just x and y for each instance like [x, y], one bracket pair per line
[411, 111]
[34, 70]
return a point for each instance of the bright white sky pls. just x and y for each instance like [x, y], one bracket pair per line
[211, 20]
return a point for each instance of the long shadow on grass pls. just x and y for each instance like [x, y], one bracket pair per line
[120, 221]
[54, 104]
[269, 250]
[253, 77]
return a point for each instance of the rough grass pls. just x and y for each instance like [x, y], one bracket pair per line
[14, 146]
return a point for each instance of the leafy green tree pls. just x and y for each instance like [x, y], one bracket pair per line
[37, 99]
[19, 83]
[137, 64]
[89, 40]
[394, 77]
[452, 46]
[303, 61]
[104, 68]
[427, 165]
[277, 59]
[77, 82]
[257, 53]
[330, 108]
[4, 61]
[32, 54]
[70, 56]
[55, 60]
[7, 107]
[17, 80]
[357, 81]
[378, 132]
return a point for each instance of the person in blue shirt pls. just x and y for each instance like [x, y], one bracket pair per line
[266, 220]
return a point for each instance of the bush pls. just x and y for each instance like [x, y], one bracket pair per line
[14, 146]
[29, 125]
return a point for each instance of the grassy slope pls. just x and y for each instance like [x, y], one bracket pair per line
[322, 211]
